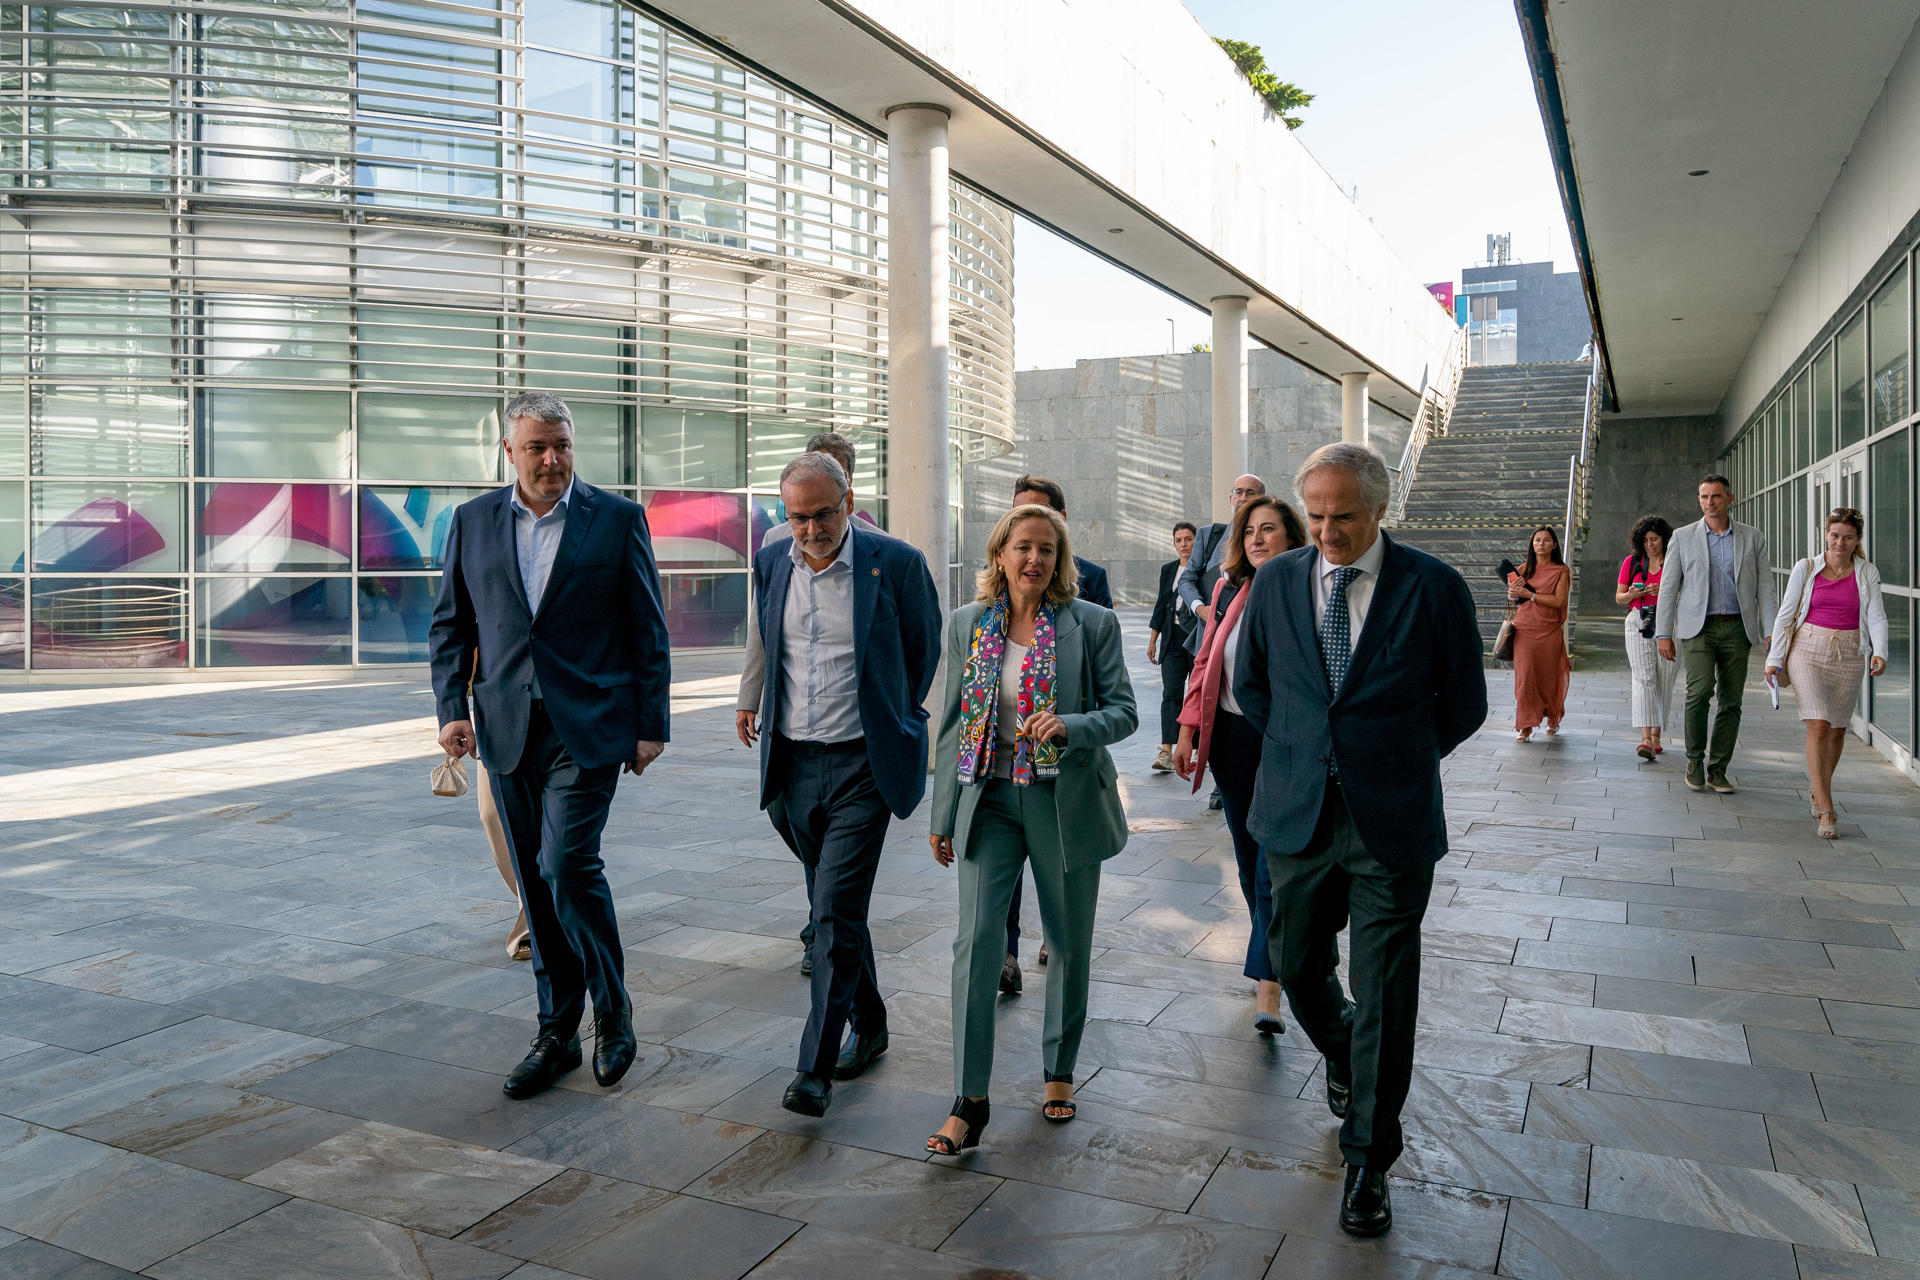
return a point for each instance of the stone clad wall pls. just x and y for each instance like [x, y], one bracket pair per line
[1129, 439]
[1641, 466]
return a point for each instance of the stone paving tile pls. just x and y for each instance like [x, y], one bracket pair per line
[1752, 1202]
[1441, 1224]
[32, 1260]
[408, 1177]
[606, 1229]
[1593, 910]
[303, 1241]
[1020, 1230]
[1645, 1124]
[1554, 1242]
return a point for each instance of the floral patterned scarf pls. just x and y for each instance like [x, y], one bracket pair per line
[980, 699]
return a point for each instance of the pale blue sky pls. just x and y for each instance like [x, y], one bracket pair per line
[1425, 105]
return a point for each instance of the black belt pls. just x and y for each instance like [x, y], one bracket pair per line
[1724, 617]
[850, 747]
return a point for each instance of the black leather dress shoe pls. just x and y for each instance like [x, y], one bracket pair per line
[550, 1058]
[1339, 1090]
[808, 1095]
[613, 1046]
[859, 1054]
[1010, 983]
[1365, 1208]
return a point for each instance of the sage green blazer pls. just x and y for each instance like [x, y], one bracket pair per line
[1095, 702]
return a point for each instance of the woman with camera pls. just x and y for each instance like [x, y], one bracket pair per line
[1655, 679]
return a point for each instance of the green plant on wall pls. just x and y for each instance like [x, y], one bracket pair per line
[1280, 95]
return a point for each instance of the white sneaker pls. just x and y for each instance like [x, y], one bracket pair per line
[1163, 763]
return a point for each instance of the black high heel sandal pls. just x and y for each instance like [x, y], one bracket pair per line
[1046, 1106]
[974, 1114]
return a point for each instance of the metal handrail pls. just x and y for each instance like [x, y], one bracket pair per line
[1579, 474]
[1430, 418]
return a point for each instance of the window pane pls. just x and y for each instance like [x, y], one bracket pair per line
[600, 27]
[576, 359]
[13, 526]
[430, 438]
[109, 526]
[298, 72]
[13, 428]
[774, 442]
[394, 613]
[693, 530]
[1802, 420]
[1851, 353]
[602, 442]
[1888, 331]
[694, 448]
[1823, 403]
[274, 340]
[91, 623]
[253, 432]
[1892, 691]
[275, 622]
[13, 624]
[1888, 535]
[1799, 526]
[96, 430]
[705, 611]
[418, 345]
[264, 527]
[407, 528]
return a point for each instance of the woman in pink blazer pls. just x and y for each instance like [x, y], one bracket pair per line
[1263, 528]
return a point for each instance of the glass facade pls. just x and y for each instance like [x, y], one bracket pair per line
[267, 277]
[1839, 432]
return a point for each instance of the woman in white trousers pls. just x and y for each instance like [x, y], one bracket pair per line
[1655, 679]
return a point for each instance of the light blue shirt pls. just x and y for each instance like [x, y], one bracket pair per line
[536, 540]
[820, 690]
[1723, 594]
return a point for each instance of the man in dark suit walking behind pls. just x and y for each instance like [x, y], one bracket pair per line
[851, 625]
[553, 582]
[1360, 667]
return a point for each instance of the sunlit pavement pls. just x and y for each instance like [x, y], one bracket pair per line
[255, 1009]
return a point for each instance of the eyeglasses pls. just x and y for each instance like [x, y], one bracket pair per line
[825, 518]
[1243, 493]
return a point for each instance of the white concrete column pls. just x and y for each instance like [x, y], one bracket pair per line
[1229, 399]
[1353, 407]
[917, 419]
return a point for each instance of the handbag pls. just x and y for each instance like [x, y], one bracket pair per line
[1638, 572]
[1780, 678]
[1503, 640]
[450, 777]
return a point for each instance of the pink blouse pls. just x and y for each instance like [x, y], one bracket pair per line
[1836, 604]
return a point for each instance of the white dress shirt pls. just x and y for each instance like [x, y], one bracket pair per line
[536, 540]
[1230, 662]
[1359, 591]
[820, 694]
[1008, 725]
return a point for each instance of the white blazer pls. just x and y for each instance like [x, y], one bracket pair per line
[1682, 609]
[1798, 599]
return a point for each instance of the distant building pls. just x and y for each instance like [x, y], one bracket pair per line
[1521, 312]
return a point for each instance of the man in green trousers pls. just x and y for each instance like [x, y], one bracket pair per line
[1716, 599]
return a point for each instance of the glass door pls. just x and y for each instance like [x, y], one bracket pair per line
[1852, 475]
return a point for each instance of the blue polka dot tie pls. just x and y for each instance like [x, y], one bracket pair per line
[1336, 630]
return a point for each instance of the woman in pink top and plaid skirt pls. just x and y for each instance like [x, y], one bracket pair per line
[1831, 629]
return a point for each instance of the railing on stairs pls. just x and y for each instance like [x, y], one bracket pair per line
[1430, 418]
[1579, 476]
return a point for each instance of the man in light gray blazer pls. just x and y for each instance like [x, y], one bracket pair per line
[1716, 600]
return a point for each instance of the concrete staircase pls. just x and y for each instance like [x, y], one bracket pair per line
[1498, 473]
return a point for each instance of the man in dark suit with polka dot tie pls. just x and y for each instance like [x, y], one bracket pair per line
[1360, 667]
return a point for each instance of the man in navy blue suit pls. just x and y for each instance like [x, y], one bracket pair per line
[1360, 667]
[850, 622]
[550, 588]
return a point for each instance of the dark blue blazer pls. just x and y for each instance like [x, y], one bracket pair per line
[598, 642]
[1415, 690]
[1093, 583]
[896, 648]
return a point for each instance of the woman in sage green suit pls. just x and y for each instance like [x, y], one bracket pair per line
[1036, 691]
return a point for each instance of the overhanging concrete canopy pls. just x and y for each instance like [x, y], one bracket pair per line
[1767, 96]
[1120, 124]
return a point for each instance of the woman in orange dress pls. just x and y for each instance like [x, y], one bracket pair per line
[1541, 667]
